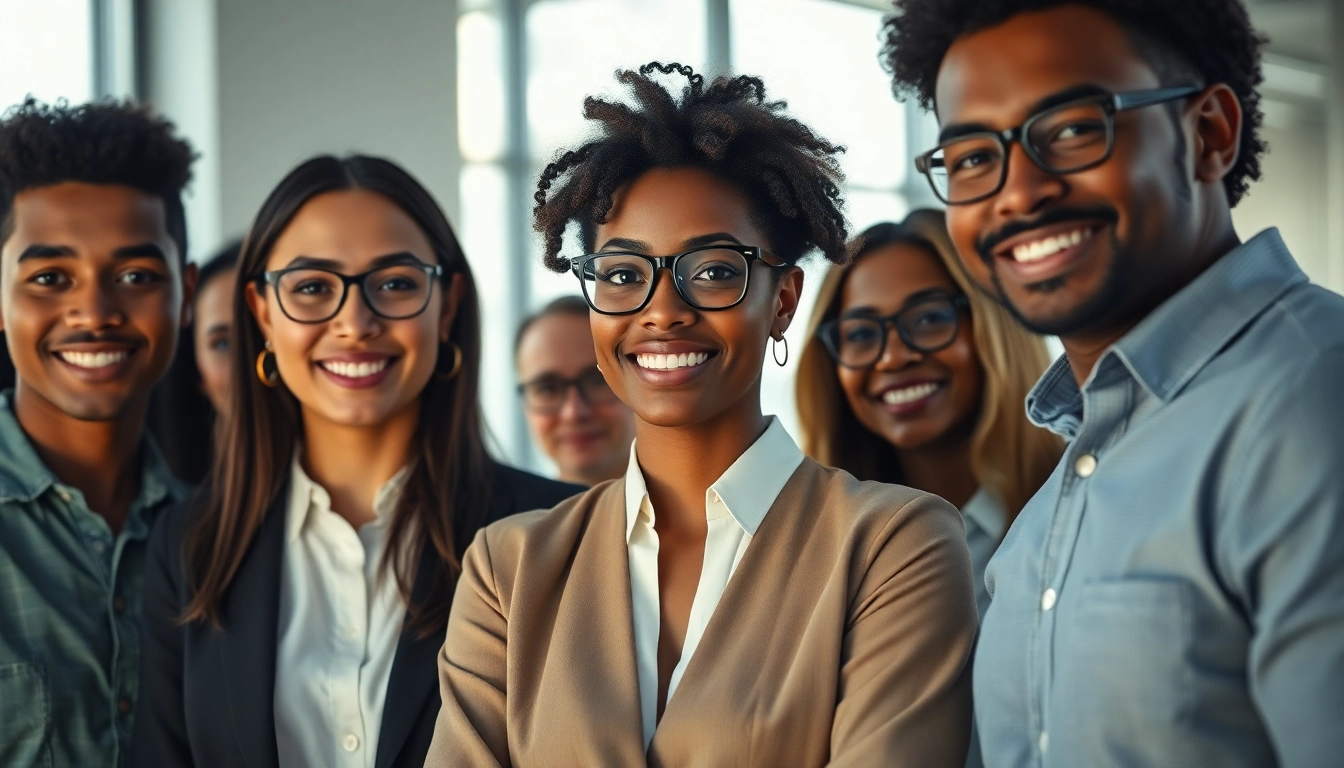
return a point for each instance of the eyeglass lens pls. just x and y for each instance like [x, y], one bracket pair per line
[1061, 140]
[926, 327]
[395, 292]
[713, 278]
[547, 394]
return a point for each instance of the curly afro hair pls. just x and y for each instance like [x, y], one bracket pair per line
[728, 128]
[104, 142]
[1211, 41]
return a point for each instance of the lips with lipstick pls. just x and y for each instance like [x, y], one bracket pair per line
[910, 396]
[655, 362]
[357, 371]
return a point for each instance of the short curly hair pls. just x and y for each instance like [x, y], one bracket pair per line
[1211, 40]
[788, 173]
[103, 142]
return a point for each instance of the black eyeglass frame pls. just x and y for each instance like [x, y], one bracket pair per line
[566, 384]
[752, 253]
[272, 278]
[1110, 104]
[827, 330]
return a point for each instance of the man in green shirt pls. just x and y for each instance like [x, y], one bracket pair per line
[93, 289]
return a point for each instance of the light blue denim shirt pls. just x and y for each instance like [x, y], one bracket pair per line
[69, 609]
[1174, 594]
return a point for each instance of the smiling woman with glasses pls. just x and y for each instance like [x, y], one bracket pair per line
[312, 575]
[913, 376]
[726, 601]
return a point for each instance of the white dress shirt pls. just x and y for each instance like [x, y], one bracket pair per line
[985, 519]
[735, 505]
[338, 630]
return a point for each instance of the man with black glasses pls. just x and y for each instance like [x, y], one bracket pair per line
[575, 418]
[1173, 595]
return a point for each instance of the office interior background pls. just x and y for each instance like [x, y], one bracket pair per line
[474, 97]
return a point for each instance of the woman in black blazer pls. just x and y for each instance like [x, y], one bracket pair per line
[294, 609]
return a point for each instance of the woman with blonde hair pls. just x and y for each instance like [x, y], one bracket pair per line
[912, 376]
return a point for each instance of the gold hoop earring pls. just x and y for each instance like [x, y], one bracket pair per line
[270, 378]
[457, 364]
[774, 350]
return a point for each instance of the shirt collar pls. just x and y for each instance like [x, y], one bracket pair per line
[305, 496]
[985, 512]
[747, 489]
[24, 477]
[1170, 346]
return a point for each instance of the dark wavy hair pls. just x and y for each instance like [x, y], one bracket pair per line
[103, 142]
[1211, 41]
[788, 173]
[448, 487]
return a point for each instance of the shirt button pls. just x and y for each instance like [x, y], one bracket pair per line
[124, 705]
[350, 743]
[65, 495]
[1043, 742]
[352, 631]
[1048, 599]
[1085, 465]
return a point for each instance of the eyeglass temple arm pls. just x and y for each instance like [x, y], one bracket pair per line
[1139, 99]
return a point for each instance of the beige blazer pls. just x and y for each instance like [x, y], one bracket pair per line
[843, 639]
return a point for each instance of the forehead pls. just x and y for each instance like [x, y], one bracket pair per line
[352, 227]
[88, 218]
[883, 279]
[556, 344]
[994, 76]
[664, 207]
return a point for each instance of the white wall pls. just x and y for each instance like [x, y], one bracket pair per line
[259, 86]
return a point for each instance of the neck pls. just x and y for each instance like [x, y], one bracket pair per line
[100, 458]
[1085, 348]
[353, 462]
[680, 463]
[943, 470]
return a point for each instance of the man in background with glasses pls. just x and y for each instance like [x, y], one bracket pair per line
[1173, 595]
[574, 416]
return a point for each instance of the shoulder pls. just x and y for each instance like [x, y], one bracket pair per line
[518, 491]
[878, 513]
[541, 535]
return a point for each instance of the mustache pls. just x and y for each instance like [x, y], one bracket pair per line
[985, 245]
[87, 337]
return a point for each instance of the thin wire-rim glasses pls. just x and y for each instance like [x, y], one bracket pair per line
[591, 386]
[829, 331]
[583, 269]
[933, 162]
[433, 273]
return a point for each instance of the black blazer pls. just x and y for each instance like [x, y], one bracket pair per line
[206, 695]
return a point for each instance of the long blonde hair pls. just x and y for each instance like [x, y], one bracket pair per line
[1010, 457]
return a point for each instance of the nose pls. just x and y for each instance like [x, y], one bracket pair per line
[1027, 187]
[355, 320]
[895, 354]
[94, 307]
[574, 407]
[666, 308]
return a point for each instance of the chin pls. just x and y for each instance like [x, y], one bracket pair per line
[91, 408]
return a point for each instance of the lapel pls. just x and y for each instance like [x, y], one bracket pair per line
[413, 680]
[598, 625]
[250, 612]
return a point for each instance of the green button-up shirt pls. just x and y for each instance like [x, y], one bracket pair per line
[69, 609]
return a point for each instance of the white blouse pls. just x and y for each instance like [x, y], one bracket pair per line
[735, 505]
[338, 630]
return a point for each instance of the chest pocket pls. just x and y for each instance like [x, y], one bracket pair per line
[24, 716]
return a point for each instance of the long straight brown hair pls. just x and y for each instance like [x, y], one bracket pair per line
[449, 484]
[1010, 457]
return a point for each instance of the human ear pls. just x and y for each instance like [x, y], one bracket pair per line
[790, 292]
[256, 303]
[1216, 115]
[452, 299]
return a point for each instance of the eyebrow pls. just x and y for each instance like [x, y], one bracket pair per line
[639, 246]
[138, 251]
[957, 130]
[313, 262]
[141, 251]
[910, 301]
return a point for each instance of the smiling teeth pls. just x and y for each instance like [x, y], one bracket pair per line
[1035, 251]
[908, 394]
[92, 359]
[354, 370]
[671, 362]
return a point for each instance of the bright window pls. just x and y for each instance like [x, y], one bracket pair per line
[46, 50]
